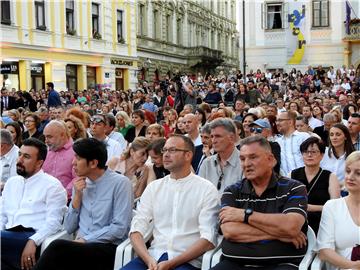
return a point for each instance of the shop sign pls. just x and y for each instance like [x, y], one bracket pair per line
[37, 69]
[107, 75]
[9, 68]
[120, 62]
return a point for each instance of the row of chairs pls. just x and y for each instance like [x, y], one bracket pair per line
[125, 253]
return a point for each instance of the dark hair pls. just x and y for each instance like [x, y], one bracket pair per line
[110, 119]
[35, 117]
[91, 149]
[202, 112]
[156, 146]
[17, 127]
[254, 116]
[50, 84]
[348, 147]
[189, 145]
[41, 147]
[346, 112]
[139, 113]
[311, 141]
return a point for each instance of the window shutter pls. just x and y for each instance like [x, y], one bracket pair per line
[285, 14]
[263, 16]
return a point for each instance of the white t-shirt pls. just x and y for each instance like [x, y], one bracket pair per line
[337, 230]
[334, 165]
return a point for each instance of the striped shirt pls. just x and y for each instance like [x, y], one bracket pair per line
[283, 195]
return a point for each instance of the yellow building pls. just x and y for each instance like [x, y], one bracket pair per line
[76, 44]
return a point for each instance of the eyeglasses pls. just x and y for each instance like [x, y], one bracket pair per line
[220, 181]
[310, 152]
[281, 120]
[256, 130]
[173, 150]
[97, 120]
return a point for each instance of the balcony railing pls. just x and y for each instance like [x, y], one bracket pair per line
[206, 52]
[354, 31]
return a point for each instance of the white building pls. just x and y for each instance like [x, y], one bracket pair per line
[75, 44]
[296, 33]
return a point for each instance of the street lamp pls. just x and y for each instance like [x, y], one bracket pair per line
[244, 49]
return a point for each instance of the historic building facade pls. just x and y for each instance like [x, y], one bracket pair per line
[186, 36]
[289, 34]
[75, 44]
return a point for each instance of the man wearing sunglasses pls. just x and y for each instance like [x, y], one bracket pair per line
[222, 169]
[262, 127]
[98, 129]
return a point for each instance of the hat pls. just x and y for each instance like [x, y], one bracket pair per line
[264, 123]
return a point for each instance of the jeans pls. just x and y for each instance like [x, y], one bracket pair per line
[138, 264]
[12, 245]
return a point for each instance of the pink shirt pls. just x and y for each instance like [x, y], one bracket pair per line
[59, 164]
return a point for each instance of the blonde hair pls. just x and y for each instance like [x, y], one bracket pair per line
[137, 144]
[125, 116]
[78, 124]
[353, 157]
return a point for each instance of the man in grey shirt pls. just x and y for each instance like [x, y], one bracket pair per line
[222, 169]
[99, 213]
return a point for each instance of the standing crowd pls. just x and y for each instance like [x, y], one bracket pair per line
[248, 163]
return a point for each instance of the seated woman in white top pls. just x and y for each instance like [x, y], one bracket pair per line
[340, 147]
[132, 164]
[339, 231]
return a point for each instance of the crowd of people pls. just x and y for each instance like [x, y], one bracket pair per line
[256, 158]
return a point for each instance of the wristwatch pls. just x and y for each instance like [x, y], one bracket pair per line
[248, 213]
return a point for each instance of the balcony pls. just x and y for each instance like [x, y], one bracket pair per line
[201, 56]
[354, 34]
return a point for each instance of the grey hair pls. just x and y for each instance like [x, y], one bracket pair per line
[61, 125]
[226, 123]
[206, 129]
[303, 118]
[5, 137]
[262, 141]
[329, 117]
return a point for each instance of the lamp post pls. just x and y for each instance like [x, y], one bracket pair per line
[244, 49]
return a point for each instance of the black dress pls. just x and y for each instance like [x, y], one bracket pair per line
[318, 192]
[130, 135]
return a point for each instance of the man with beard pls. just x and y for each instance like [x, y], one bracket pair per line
[34, 204]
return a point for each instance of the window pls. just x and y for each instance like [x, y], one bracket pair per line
[95, 19]
[40, 15]
[274, 16]
[155, 25]
[168, 28]
[226, 9]
[179, 32]
[119, 26]
[5, 12]
[142, 20]
[320, 13]
[70, 27]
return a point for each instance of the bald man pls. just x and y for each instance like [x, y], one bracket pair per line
[191, 124]
[60, 155]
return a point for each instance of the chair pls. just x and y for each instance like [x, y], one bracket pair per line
[59, 235]
[304, 265]
[318, 264]
[210, 255]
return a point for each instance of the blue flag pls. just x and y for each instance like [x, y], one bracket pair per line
[348, 17]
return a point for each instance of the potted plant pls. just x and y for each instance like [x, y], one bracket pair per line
[41, 27]
[96, 35]
[71, 32]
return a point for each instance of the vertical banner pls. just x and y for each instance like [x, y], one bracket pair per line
[348, 17]
[296, 31]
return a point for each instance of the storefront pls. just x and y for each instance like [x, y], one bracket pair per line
[71, 77]
[91, 77]
[37, 76]
[10, 75]
[119, 79]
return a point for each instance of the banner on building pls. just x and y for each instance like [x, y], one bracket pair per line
[296, 32]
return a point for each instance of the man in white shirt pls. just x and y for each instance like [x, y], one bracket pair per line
[98, 131]
[313, 122]
[8, 155]
[112, 134]
[183, 208]
[192, 128]
[289, 142]
[33, 206]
